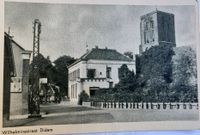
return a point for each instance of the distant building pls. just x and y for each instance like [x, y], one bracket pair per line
[157, 28]
[19, 83]
[98, 68]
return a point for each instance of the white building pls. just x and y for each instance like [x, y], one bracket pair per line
[98, 68]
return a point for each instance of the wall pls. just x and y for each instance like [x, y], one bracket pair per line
[100, 66]
[8, 69]
[20, 83]
[166, 27]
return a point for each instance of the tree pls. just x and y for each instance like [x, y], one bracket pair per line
[184, 85]
[154, 71]
[61, 73]
[127, 88]
[46, 69]
[126, 79]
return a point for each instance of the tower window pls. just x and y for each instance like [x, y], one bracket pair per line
[152, 24]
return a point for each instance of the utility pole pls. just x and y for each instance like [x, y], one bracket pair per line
[34, 102]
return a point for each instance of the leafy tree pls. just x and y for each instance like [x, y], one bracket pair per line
[46, 69]
[61, 73]
[184, 85]
[126, 79]
[154, 71]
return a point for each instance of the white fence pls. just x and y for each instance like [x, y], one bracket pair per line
[141, 105]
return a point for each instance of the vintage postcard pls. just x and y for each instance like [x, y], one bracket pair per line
[90, 66]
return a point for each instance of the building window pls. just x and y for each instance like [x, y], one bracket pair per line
[72, 90]
[91, 73]
[74, 75]
[108, 72]
[76, 90]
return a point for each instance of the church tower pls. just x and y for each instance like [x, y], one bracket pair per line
[157, 28]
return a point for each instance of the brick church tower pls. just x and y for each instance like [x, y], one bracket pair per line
[157, 28]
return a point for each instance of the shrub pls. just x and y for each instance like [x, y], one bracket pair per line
[83, 97]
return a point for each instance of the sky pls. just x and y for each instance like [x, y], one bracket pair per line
[68, 28]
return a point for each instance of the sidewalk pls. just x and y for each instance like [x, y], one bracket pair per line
[57, 114]
[53, 110]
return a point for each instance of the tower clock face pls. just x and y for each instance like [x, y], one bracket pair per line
[148, 30]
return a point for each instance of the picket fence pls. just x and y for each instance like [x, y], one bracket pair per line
[141, 105]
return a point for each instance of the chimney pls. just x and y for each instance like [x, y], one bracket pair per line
[87, 47]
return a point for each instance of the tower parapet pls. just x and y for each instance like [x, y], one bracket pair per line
[157, 28]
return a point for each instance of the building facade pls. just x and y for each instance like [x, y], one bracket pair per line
[9, 71]
[96, 69]
[19, 82]
[157, 28]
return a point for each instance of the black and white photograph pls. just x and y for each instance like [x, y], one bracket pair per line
[79, 63]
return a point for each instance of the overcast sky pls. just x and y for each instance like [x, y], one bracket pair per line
[67, 28]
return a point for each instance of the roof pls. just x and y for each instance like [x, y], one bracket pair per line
[8, 55]
[153, 12]
[103, 54]
[13, 41]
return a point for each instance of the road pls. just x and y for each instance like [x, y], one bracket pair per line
[55, 114]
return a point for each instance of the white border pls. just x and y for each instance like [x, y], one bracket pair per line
[108, 127]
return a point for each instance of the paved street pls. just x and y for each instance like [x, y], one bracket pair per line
[68, 114]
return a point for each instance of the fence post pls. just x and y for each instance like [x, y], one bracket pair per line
[151, 105]
[184, 106]
[190, 105]
[158, 107]
[147, 105]
[137, 105]
[177, 106]
[126, 104]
